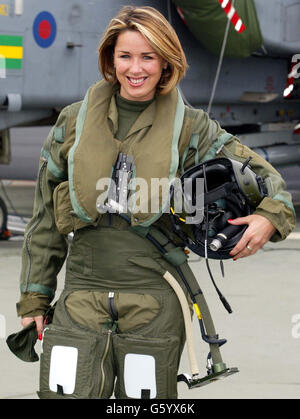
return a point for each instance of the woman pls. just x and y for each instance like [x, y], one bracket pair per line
[117, 312]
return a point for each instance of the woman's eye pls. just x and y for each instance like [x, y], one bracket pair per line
[145, 57]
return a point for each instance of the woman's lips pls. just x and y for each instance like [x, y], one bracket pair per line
[136, 81]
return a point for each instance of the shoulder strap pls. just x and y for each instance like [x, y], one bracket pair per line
[193, 145]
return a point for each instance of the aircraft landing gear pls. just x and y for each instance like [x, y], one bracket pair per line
[4, 233]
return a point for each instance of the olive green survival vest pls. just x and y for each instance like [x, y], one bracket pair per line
[152, 141]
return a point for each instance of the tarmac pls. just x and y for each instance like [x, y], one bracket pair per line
[263, 332]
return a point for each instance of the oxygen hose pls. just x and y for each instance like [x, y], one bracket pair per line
[187, 322]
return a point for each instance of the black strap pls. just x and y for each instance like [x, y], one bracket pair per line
[60, 390]
[145, 393]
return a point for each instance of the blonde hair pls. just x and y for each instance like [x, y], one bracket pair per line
[160, 35]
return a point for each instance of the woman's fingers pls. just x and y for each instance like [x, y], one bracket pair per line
[38, 321]
[26, 321]
[259, 231]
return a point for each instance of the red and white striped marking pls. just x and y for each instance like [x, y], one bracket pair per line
[290, 82]
[232, 15]
[181, 14]
[297, 128]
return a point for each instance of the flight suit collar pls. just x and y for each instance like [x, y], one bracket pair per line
[144, 120]
[112, 115]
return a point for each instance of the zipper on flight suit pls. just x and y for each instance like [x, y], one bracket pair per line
[112, 308]
[40, 214]
[112, 326]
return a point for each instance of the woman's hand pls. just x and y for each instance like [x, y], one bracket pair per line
[38, 321]
[259, 231]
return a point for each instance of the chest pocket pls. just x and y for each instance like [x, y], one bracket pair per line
[65, 219]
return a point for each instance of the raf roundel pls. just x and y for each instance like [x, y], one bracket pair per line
[44, 29]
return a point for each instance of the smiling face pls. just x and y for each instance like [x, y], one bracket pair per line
[138, 67]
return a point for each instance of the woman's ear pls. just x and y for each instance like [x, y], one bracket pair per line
[165, 65]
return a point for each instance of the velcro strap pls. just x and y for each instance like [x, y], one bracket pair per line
[59, 134]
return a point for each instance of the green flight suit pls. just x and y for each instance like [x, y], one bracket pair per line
[114, 301]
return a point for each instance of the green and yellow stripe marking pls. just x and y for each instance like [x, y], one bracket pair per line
[11, 51]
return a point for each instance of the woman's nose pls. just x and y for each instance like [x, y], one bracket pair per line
[136, 66]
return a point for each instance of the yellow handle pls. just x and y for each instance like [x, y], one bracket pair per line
[197, 310]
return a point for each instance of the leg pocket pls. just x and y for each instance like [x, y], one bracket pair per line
[72, 363]
[136, 311]
[146, 367]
